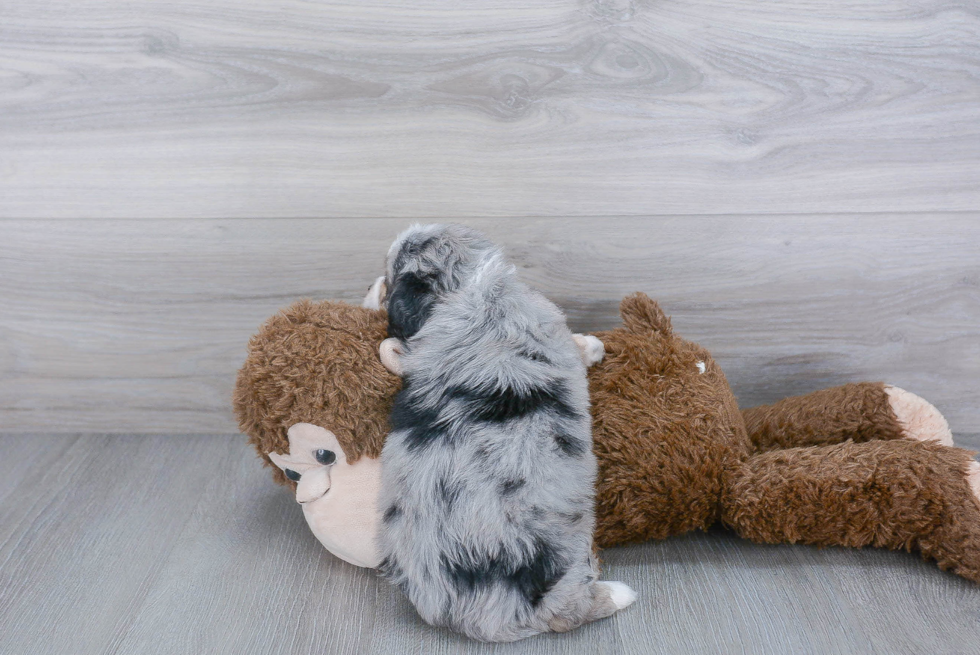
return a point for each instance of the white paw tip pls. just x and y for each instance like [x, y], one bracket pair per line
[620, 594]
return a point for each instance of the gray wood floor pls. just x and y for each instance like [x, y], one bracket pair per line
[797, 182]
[182, 544]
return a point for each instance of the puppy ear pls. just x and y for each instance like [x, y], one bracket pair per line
[410, 301]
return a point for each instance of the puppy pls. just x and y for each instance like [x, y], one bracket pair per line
[488, 474]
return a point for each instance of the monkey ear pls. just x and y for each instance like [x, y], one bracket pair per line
[281, 461]
[410, 301]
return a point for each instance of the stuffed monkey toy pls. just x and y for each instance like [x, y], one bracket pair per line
[858, 465]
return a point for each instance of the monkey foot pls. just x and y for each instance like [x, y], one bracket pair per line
[918, 418]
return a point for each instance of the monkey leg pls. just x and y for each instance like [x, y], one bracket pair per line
[898, 494]
[865, 411]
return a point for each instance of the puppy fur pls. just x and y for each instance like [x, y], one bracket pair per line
[488, 475]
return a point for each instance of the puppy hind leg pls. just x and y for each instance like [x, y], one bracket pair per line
[609, 597]
[620, 593]
[606, 598]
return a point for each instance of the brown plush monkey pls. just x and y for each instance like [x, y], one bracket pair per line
[857, 465]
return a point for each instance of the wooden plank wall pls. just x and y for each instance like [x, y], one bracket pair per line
[140, 325]
[234, 108]
[798, 182]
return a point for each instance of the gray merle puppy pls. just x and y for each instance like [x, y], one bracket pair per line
[488, 474]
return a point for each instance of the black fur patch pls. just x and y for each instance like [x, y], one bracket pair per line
[500, 405]
[411, 249]
[469, 574]
[569, 446]
[448, 493]
[388, 568]
[534, 356]
[410, 302]
[391, 514]
[422, 426]
[536, 578]
[510, 486]
[532, 578]
[419, 425]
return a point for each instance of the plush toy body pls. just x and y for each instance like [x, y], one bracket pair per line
[862, 464]
[858, 465]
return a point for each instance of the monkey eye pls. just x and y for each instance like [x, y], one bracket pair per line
[325, 456]
[292, 475]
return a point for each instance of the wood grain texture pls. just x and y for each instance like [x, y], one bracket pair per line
[430, 108]
[182, 544]
[120, 326]
[83, 536]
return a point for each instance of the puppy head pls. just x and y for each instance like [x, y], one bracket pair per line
[424, 263]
